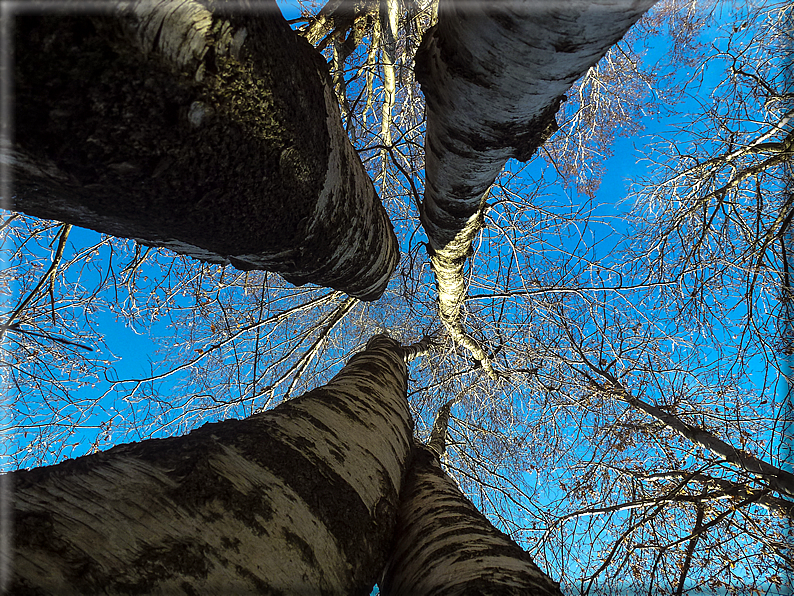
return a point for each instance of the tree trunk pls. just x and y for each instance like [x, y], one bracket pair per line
[301, 499]
[493, 75]
[445, 546]
[212, 133]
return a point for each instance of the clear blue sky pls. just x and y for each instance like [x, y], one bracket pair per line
[136, 350]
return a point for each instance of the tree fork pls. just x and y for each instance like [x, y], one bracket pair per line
[215, 134]
[494, 75]
[297, 500]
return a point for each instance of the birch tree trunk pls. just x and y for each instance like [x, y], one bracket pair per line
[212, 133]
[494, 75]
[445, 546]
[301, 499]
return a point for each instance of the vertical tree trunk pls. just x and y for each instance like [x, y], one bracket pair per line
[298, 500]
[445, 546]
[493, 75]
[212, 133]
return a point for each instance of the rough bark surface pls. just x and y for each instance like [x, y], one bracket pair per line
[298, 500]
[445, 547]
[212, 133]
[493, 75]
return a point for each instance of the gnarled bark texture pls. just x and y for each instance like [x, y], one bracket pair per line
[215, 134]
[493, 75]
[444, 546]
[298, 500]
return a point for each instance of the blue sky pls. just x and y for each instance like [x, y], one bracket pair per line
[136, 349]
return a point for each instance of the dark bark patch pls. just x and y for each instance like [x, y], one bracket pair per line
[304, 549]
[177, 558]
[36, 531]
[21, 587]
[566, 46]
[232, 544]
[261, 586]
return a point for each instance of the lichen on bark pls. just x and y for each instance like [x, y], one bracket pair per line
[214, 134]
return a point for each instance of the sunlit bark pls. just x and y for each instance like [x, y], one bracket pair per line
[494, 74]
[389, 19]
[217, 135]
[297, 500]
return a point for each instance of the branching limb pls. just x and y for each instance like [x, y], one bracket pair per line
[776, 478]
[47, 278]
[780, 507]
[419, 348]
[438, 438]
[340, 313]
[691, 549]
[448, 265]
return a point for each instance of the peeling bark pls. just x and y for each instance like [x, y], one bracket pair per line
[298, 500]
[445, 546]
[494, 75]
[214, 134]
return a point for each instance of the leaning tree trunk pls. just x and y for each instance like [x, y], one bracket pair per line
[444, 545]
[494, 75]
[213, 133]
[298, 500]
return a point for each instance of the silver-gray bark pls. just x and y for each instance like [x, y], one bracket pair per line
[301, 499]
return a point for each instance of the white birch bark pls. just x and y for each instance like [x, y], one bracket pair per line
[493, 75]
[389, 21]
[444, 546]
[297, 500]
[216, 135]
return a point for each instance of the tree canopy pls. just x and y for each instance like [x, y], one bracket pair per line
[628, 417]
